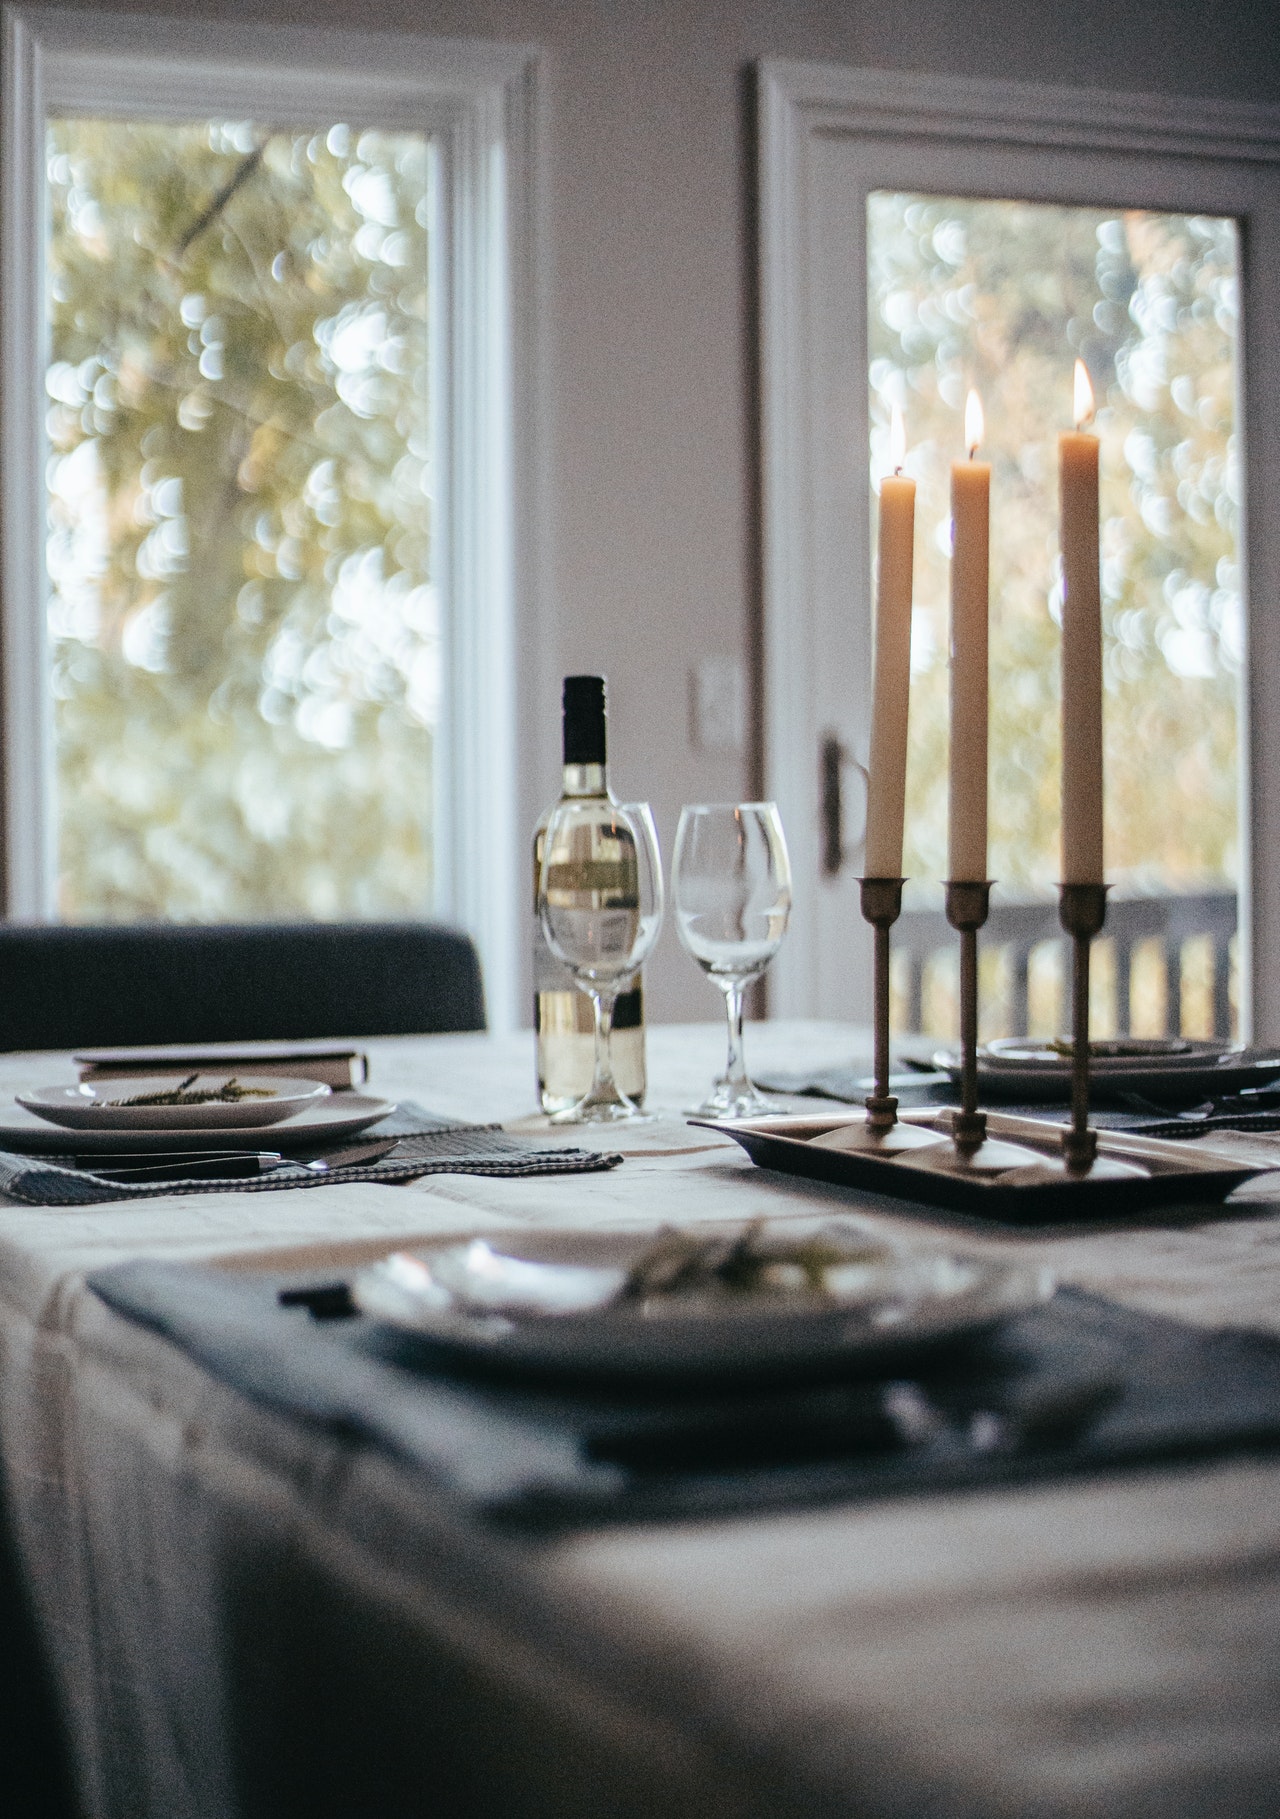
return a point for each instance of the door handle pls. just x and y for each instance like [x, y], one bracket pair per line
[833, 756]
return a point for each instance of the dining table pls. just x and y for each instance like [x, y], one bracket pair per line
[249, 1612]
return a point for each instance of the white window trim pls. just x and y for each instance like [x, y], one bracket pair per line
[1230, 155]
[477, 102]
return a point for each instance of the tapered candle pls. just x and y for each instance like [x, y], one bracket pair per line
[1081, 647]
[887, 772]
[970, 553]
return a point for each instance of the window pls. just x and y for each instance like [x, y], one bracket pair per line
[919, 235]
[243, 619]
[259, 612]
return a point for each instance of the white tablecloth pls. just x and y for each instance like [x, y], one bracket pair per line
[249, 1617]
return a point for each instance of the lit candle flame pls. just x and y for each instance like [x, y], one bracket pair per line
[897, 440]
[1084, 395]
[974, 426]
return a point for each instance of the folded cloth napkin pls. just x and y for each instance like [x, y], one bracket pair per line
[1079, 1385]
[429, 1146]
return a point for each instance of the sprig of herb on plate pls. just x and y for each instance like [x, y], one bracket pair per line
[229, 1093]
[686, 1263]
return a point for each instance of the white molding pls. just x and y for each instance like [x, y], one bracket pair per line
[152, 67]
[476, 101]
[978, 138]
[897, 103]
[786, 756]
[28, 853]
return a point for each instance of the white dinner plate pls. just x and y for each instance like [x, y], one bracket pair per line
[545, 1301]
[1121, 1054]
[1180, 1071]
[322, 1119]
[111, 1105]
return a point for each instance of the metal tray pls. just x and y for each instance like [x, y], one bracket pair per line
[1134, 1174]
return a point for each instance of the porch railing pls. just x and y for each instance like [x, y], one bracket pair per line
[1021, 928]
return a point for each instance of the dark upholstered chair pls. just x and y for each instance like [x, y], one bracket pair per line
[69, 987]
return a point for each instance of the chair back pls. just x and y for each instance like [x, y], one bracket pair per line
[143, 983]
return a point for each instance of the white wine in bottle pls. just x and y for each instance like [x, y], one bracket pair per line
[562, 1015]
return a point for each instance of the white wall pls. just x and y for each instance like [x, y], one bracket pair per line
[648, 450]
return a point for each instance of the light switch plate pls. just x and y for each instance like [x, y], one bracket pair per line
[718, 705]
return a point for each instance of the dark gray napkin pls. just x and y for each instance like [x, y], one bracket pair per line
[851, 1083]
[548, 1454]
[429, 1146]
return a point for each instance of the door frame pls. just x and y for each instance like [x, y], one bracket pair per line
[983, 138]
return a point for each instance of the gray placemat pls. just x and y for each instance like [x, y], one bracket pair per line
[537, 1454]
[429, 1146]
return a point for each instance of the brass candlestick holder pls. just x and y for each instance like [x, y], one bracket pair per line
[1014, 1168]
[971, 1150]
[881, 907]
[1082, 910]
[967, 908]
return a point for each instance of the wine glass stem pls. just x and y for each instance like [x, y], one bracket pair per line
[735, 1067]
[604, 1087]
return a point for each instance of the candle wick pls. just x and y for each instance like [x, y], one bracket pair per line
[897, 470]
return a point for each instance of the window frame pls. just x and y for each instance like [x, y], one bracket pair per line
[912, 132]
[476, 102]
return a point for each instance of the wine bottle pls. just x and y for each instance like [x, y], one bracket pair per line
[562, 1015]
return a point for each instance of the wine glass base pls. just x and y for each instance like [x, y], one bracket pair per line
[602, 1112]
[727, 1101]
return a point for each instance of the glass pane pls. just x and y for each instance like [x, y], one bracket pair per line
[1004, 296]
[244, 629]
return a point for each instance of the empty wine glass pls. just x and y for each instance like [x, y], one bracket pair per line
[600, 900]
[731, 885]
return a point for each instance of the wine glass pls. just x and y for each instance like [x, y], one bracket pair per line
[600, 901]
[731, 885]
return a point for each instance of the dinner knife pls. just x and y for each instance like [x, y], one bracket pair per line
[179, 1165]
[158, 1165]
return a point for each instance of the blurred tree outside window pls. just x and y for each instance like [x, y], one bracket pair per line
[1003, 296]
[244, 629]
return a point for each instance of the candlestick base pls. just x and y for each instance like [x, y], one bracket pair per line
[987, 1156]
[1080, 1149]
[968, 1129]
[887, 1140]
[882, 1132]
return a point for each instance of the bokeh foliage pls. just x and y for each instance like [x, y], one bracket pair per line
[1003, 296]
[243, 624]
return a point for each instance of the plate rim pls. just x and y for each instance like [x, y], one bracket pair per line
[107, 1115]
[512, 1342]
[350, 1112]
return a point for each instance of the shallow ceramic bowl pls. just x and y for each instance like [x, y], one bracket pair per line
[102, 1106]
